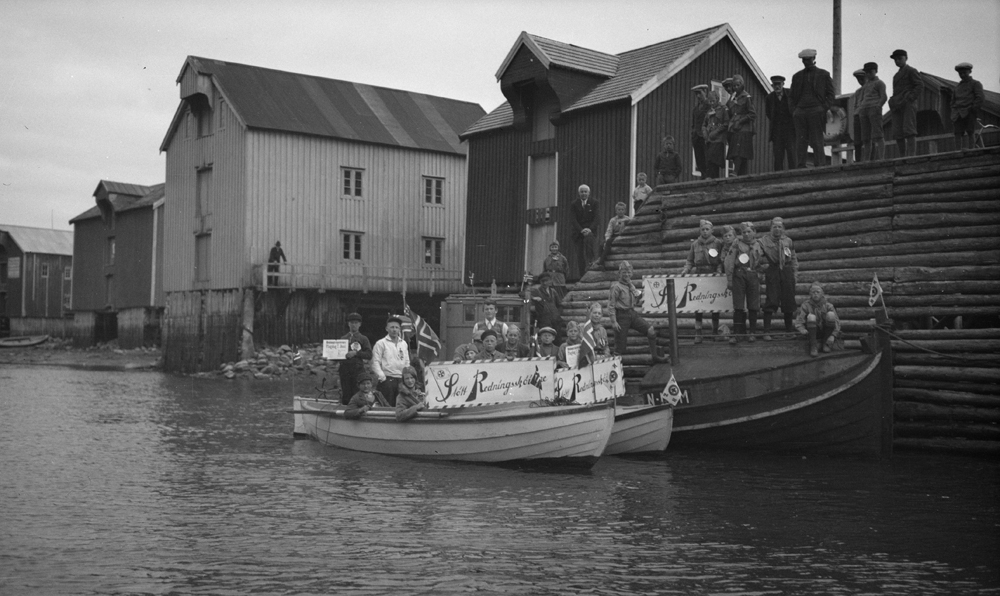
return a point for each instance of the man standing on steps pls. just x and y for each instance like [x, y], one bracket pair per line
[906, 88]
[781, 267]
[778, 108]
[586, 227]
[623, 299]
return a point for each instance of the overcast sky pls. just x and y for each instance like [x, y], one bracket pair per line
[87, 88]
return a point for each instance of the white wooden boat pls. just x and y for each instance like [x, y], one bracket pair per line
[640, 429]
[513, 432]
[23, 341]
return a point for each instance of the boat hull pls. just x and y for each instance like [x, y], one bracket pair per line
[563, 435]
[23, 341]
[640, 429]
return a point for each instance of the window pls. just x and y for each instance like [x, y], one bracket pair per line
[44, 270]
[68, 273]
[220, 105]
[203, 193]
[109, 289]
[433, 247]
[352, 245]
[110, 254]
[202, 256]
[433, 190]
[205, 120]
[351, 182]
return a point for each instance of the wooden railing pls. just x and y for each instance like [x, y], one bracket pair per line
[358, 278]
[928, 145]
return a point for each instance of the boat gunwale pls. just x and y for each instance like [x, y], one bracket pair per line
[466, 416]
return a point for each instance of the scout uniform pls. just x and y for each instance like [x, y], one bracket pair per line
[818, 319]
[705, 256]
[781, 267]
[741, 265]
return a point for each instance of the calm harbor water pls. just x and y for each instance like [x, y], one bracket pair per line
[146, 483]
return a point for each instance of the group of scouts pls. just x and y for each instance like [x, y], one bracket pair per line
[744, 258]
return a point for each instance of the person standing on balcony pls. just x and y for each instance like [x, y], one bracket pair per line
[359, 349]
[390, 356]
[906, 88]
[742, 119]
[697, 123]
[778, 108]
[966, 101]
[873, 97]
[811, 96]
[277, 256]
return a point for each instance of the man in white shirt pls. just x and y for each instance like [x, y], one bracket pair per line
[390, 356]
[491, 322]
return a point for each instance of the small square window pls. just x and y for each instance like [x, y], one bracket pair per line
[351, 182]
[433, 190]
[44, 271]
[68, 273]
[433, 250]
[351, 245]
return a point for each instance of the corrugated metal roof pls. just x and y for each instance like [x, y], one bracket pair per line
[635, 68]
[155, 194]
[123, 188]
[270, 99]
[41, 240]
[125, 203]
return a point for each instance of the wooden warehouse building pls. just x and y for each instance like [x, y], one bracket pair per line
[36, 268]
[118, 272]
[363, 186]
[579, 116]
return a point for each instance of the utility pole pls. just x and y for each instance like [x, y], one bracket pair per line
[836, 47]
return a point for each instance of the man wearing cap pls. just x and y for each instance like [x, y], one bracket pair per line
[778, 108]
[390, 356]
[468, 352]
[546, 303]
[667, 166]
[585, 226]
[274, 258]
[781, 267]
[359, 349]
[728, 86]
[623, 298]
[705, 257]
[697, 124]
[742, 119]
[869, 113]
[490, 353]
[811, 96]
[966, 100]
[557, 266]
[906, 87]
[859, 75]
[716, 133]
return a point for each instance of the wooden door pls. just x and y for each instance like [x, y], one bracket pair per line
[543, 172]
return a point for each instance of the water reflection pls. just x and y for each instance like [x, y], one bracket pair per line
[143, 483]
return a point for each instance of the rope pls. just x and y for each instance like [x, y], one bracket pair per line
[928, 350]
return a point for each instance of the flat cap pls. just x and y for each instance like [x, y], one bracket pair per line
[477, 334]
[777, 79]
[488, 333]
[963, 66]
[362, 377]
[807, 53]
[699, 88]
[394, 319]
[728, 81]
[547, 330]
[354, 317]
[871, 66]
[899, 53]
[859, 72]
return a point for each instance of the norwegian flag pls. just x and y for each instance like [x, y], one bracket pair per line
[587, 335]
[428, 343]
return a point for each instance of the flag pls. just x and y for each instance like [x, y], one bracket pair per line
[428, 343]
[875, 292]
[672, 392]
[587, 335]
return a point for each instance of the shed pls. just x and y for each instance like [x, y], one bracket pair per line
[35, 280]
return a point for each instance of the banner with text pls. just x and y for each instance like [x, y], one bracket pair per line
[694, 293]
[609, 378]
[575, 385]
[477, 383]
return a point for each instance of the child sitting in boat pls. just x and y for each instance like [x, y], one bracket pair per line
[409, 399]
[596, 330]
[818, 319]
[513, 347]
[584, 354]
[490, 352]
[365, 399]
[546, 347]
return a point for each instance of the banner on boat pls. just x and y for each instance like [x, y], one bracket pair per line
[601, 381]
[694, 293]
[478, 383]
[575, 384]
[609, 378]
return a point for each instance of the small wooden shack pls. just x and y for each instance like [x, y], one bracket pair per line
[363, 186]
[118, 273]
[579, 116]
[36, 268]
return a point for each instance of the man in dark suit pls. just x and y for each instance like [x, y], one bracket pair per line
[586, 227]
[778, 108]
[812, 96]
[906, 88]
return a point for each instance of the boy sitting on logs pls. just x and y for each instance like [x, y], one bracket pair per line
[818, 319]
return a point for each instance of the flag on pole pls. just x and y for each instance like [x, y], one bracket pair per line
[672, 392]
[428, 343]
[875, 292]
[587, 335]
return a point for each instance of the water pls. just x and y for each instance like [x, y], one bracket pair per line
[144, 483]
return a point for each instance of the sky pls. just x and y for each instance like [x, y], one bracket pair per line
[88, 88]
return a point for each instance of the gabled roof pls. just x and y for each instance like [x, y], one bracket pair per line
[41, 240]
[122, 188]
[639, 72]
[556, 53]
[123, 202]
[992, 98]
[268, 99]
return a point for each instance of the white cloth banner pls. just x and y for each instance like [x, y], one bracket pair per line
[574, 384]
[477, 383]
[609, 378]
[694, 293]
